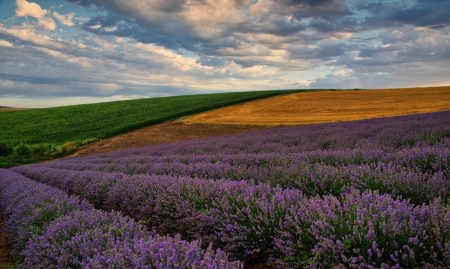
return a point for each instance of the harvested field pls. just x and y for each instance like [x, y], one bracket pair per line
[331, 106]
[6, 109]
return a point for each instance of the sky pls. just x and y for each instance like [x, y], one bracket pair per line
[57, 53]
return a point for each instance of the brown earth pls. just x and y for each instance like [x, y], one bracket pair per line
[5, 248]
[164, 133]
[331, 106]
[5, 109]
[292, 109]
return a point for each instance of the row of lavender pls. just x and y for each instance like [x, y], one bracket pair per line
[333, 220]
[419, 174]
[53, 230]
[257, 221]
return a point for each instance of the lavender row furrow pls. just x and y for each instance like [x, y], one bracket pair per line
[427, 159]
[258, 222]
[396, 178]
[53, 230]
[196, 208]
[29, 206]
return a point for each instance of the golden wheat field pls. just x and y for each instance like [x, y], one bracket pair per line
[330, 106]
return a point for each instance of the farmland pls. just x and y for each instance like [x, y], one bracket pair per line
[293, 109]
[40, 134]
[331, 106]
[369, 194]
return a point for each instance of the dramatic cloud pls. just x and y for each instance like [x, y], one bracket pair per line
[143, 48]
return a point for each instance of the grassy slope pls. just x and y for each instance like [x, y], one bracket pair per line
[56, 126]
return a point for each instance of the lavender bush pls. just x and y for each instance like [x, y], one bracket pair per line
[29, 206]
[364, 230]
[96, 239]
[53, 230]
[198, 208]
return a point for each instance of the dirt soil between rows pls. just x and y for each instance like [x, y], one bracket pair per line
[292, 109]
[165, 133]
[5, 247]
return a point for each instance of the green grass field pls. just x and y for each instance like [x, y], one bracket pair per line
[40, 134]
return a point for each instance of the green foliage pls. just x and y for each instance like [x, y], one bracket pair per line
[5, 150]
[22, 150]
[40, 134]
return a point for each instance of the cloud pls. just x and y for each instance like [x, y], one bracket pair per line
[348, 80]
[399, 46]
[402, 57]
[101, 66]
[6, 44]
[422, 13]
[391, 76]
[32, 79]
[47, 23]
[209, 26]
[432, 14]
[25, 9]
[326, 9]
[26, 33]
[65, 19]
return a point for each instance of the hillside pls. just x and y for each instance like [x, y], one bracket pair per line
[293, 109]
[39, 134]
[102, 120]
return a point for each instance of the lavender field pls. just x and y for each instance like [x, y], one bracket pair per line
[363, 194]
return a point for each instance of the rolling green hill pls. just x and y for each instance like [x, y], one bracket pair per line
[52, 132]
